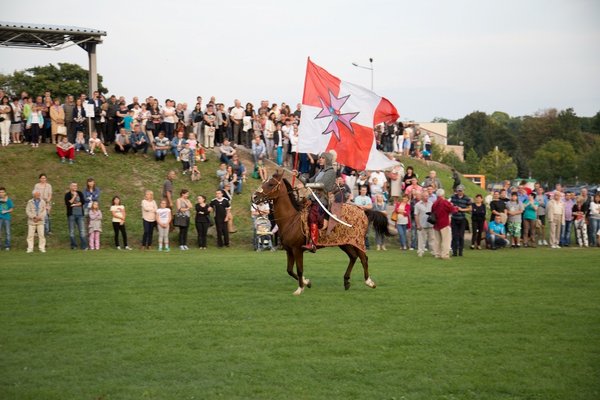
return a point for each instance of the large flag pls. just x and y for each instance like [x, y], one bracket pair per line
[340, 116]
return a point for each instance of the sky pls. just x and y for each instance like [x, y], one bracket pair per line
[430, 58]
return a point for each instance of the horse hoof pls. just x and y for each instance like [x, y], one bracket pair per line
[298, 291]
[346, 285]
[307, 282]
[370, 283]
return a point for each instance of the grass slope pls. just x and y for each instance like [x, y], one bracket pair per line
[521, 324]
[129, 176]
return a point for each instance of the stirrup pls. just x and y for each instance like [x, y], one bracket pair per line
[310, 247]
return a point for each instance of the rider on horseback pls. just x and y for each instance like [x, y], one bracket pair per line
[324, 179]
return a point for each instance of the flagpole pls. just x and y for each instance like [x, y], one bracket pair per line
[295, 168]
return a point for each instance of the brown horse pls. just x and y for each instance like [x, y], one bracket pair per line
[289, 218]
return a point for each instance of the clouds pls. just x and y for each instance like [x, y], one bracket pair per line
[432, 59]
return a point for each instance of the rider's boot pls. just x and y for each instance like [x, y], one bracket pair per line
[314, 238]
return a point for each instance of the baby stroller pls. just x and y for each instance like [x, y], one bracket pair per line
[263, 238]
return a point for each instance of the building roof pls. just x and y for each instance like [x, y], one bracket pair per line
[39, 36]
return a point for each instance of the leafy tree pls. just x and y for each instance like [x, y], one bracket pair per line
[595, 123]
[451, 159]
[61, 81]
[588, 168]
[472, 162]
[555, 161]
[497, 165]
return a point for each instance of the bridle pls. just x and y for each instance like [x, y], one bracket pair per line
[265, 195]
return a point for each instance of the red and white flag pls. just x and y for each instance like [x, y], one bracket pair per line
[340, 116]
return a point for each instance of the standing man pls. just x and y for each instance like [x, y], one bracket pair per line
[222, 209]
[69, 108]
[237, 115]
[111, 117]
[565, 232]
[364, 202]
[74, 203]
[36, 214]
[442, 209]
[6, 209]
[167, 191]
[459, 219]
[424, 228]
[555, 215]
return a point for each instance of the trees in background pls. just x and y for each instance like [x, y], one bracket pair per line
[550, 145]
[60, 80]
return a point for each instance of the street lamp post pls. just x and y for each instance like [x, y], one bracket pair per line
[369, 68]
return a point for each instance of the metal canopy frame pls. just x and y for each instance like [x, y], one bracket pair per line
[54, 37]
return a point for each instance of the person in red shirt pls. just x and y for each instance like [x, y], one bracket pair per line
[442, 209]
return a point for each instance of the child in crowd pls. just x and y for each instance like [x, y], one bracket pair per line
[96, 142]
[128, 121]
[184, 155]
[118, 221]
[65, 150]
[163, 219]
[195, 174]
[80, 142]
[95, 226]
[200, 154]
[193, 147]
[380, 205]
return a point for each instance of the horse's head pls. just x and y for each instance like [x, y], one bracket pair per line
[270, 189]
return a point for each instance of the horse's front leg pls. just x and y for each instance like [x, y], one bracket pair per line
[290, 264]
[302, 281]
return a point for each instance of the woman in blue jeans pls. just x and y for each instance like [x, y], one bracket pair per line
[402, 209]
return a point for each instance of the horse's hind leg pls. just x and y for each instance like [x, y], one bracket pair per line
[364, 260]
[350, 251]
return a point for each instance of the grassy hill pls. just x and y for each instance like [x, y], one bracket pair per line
[128, 177]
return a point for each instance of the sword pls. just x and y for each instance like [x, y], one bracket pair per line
[327, 211]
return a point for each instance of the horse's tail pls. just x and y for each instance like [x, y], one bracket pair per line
[379, 221]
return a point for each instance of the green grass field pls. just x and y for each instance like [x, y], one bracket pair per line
[511, 324]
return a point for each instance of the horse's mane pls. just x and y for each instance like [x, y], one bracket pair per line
[290, 192]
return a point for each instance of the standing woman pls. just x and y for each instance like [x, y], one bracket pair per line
[79, 117]
[203, 211]
[410, 174]
[197, 117]
[57, 119]
[249, 116]
[153, 126]
[91, 194]
[45, 190]
[270, 127]
[35, 122]
[402, 210]
[184, 207]
[5, 120]
[118, 222]
[149, 208]
[16, 127]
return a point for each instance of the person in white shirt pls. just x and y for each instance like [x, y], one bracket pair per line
[163, 220]
[169, 118]
[236, 115]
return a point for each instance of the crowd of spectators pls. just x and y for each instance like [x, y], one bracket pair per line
[424, 219]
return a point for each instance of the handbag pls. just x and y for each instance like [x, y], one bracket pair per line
[394, 216]
[61, 130]
[432, 219]
[181, 220]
